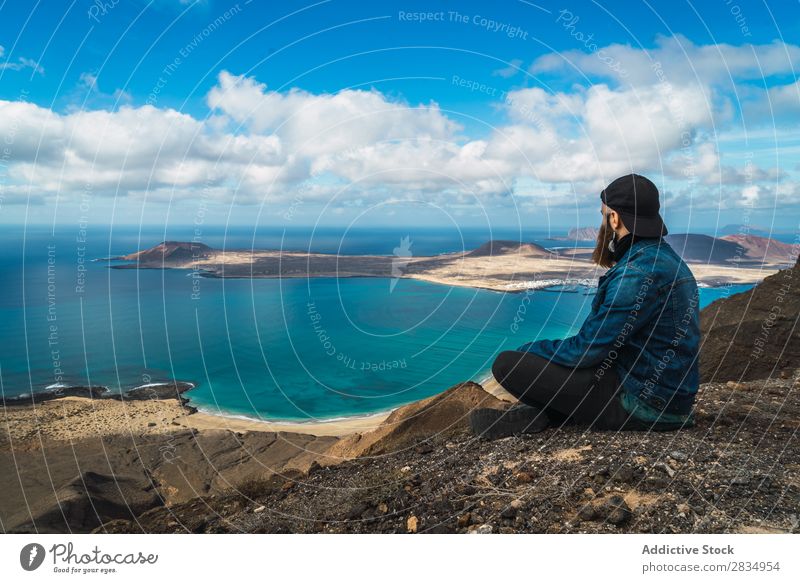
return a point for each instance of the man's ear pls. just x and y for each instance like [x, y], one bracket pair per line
[613, 219]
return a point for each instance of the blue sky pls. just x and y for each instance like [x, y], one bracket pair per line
[467, 113]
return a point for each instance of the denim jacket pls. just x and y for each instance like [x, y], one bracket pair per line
[644, 324]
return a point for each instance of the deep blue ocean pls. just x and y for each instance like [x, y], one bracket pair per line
[278, 349]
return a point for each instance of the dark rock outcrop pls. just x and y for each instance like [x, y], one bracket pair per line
[754, 334]
[164, 390]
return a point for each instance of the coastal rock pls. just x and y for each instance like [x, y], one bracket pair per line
[587, 513]
[165, 390]
[666, 469]
[424, 448]
[509, 511]
[150, 391]
[678, 455]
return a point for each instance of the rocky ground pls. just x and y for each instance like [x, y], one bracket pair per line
[736, 470]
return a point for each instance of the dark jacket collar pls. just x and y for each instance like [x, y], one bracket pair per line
[626, 242]
[632, 247]
[621, 246]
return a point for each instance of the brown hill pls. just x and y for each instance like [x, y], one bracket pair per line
[501, 247]
[438, 416]
[582, 234]
[754, 334]
[170, 252]
[704, 248]
[763, 249]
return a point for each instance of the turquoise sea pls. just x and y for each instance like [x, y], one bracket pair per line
[278, 349]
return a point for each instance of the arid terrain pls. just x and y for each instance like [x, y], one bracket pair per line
[736, 470]
[496, 265]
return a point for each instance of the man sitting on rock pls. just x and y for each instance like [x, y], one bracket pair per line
[634, 362]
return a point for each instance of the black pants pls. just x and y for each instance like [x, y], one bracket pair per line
[567, 395]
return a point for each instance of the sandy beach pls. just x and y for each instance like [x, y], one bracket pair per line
[74, 418]
[332, 428]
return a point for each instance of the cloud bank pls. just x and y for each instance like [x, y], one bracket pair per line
[356, 147]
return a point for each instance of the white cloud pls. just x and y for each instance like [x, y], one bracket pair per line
[126, 150]
[258, 144]
[89, 81]
[785, 98]
[325, 123]
[356, 147]
[681, 61]
[88, 94]
[20, 64]
[595, 135]
[514, 67]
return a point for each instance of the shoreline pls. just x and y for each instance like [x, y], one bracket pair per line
[334, 427]
[101, 414]
[500, 266]
[707, 276]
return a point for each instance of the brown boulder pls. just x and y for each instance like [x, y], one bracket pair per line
[441, 415]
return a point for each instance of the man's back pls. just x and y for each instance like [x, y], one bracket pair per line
[658, 364]
[644, 326]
